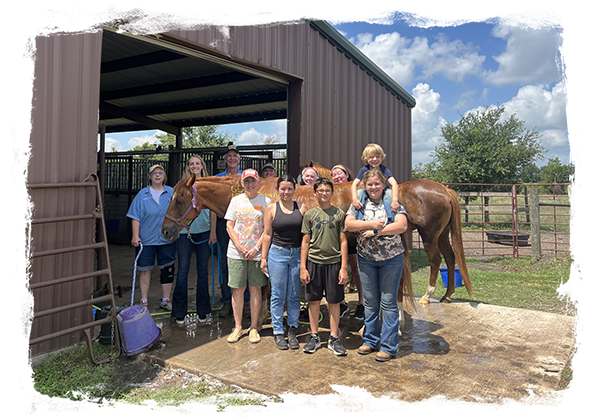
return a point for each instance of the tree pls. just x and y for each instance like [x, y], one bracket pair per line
[199, 137]
[556, 172]
[483, 149]
[426, 171]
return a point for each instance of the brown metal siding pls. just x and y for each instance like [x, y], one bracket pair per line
[55, 73]
[63, 149]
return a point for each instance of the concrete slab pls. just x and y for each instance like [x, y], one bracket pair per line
[463, 351]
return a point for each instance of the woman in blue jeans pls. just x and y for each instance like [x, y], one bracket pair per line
[280, 261]
[380, 261]
[193, 241]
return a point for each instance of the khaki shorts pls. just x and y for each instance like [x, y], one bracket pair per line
[244, 273]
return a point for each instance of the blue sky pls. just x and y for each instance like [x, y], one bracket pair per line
[451, 70]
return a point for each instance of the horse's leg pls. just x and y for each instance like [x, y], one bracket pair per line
[433, 253]
[446, 249]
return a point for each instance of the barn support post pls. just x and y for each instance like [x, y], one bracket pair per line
[536, 236]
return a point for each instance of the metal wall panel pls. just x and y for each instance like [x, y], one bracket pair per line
[63, 150]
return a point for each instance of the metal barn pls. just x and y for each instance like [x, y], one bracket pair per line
[334, 99]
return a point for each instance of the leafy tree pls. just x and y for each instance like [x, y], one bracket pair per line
[556, 172]
[199, 137]
[483, 149]
[426, 171]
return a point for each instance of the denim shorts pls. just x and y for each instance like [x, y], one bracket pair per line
[165, 255]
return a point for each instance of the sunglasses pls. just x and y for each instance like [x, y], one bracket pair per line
[158, 173]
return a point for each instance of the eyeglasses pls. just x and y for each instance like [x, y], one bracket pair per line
[158, 173]
[324, 191]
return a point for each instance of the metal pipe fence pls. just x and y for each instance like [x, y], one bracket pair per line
[496, 220]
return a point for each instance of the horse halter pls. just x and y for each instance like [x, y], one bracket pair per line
[180, 221]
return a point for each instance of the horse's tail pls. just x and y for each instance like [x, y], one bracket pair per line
[406, 281]
[457, 242]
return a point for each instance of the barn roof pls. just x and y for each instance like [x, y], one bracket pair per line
[150, 82]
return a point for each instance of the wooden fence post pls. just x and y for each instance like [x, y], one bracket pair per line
[536, 238]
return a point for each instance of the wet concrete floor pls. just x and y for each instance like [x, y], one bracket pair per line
[463, 351]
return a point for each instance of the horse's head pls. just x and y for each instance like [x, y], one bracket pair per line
[182, 210]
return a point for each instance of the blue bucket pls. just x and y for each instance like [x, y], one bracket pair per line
[138, 329]
[458, 280]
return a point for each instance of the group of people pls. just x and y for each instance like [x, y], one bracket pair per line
[288, 245]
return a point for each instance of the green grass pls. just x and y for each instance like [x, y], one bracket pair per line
[72, 375]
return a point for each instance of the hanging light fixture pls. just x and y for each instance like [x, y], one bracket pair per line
[232, 12]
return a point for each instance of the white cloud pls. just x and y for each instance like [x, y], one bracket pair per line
[140, 140]
[402, 58]
[562, 107]
[336, 13]
[530, 55]
[427, 122]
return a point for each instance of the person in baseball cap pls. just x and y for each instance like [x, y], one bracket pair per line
[249, 172]
[268, 170]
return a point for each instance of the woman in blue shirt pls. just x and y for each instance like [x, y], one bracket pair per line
[147, 212]
[193, 241]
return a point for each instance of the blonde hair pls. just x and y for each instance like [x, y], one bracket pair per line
[372, 150]
[203, 172]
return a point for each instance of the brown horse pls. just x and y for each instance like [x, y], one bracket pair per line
[434, 211]
[214, 193]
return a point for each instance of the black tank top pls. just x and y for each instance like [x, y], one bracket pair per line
[287, 228]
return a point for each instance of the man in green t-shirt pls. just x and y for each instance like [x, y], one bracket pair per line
[324, 264]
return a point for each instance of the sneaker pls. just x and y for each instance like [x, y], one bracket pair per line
[292, 339]
[313, 344]
[360, 312]
[335, 345]
[280, 342]
[202, 318]
[166, 304]
[144, 302]
[254, 336]
[343, 309]
[304, 315]
[235, 335]
[180, 321]
[246, 312]
[225, 310]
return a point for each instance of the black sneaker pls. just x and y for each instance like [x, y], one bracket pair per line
[225, 310]
[292, 339]
[343, 309]
[335, 345]
[360, 312]
[313, 344]
[280, 342]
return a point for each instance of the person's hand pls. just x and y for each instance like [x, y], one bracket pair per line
[377, 224]
[356, 203]
[369, 233]
[343, 276]
[263, 266]
[304, 276]
[395, 205]
[212, 238]
[135, 241]
[251, 253]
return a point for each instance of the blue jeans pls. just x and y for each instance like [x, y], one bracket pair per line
[185, 248]
[361, 195]
[223, 242]
[284, 273]
[380, 282]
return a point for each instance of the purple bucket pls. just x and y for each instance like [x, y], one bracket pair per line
[137, 328]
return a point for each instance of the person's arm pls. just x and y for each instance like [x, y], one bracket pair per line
[304, 276]
[399, 226]
[234, 239]
[212, 237]
[355, 202]
[354, 225]
[267, 237]
[135, 236]
[395, 189]
[343, 275]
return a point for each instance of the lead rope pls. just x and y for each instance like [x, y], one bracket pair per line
[212, 262]
[134, 271]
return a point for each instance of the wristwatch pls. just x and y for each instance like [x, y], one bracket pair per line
[375, 232]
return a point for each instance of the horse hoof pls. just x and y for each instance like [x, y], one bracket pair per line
[445, 300]
[423, 301]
